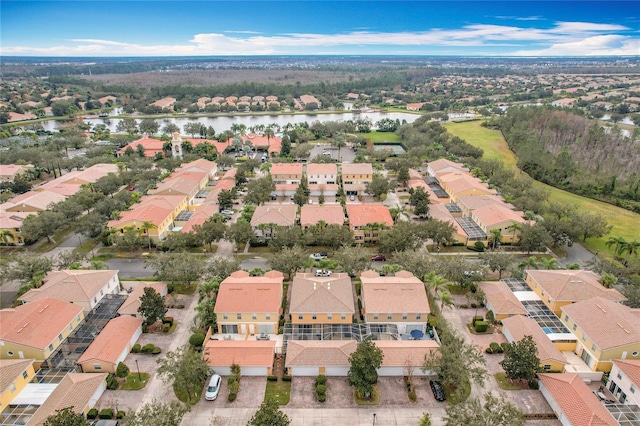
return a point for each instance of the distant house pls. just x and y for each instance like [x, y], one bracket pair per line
[414, 106]
[37, 329]
[308, 99]
[164, 103]
[151, 147]
[367, 220]
[558, 288]
[315, 357]
[286, 177]
[400, 356]
[15, 117]
[323, 179]
[15, 374]
[330, 214]
[9, 172]
[606, 330]
[400, 300]
[518, 327]
[112, 345]
[267, 217]
[624, 381]
[255, 357]
[500, 300]
[572, 401]
[81, 391]
[84, 288]
[355, 177]
[248, 305]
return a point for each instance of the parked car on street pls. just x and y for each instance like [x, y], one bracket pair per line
[437, 389]
[319, 256]
[213, 388]
[227, 212]
[379, 257]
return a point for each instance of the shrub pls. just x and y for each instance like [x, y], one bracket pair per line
[495, 347]
[145, 328]
[166, 328]
[112, 382]
[286, 378]
[120, 415]
[232, 396]
[473, 305]
[505, 346]
[533, 384]
[156, 350]
[196, 340]
[92, 414]
[479, 246]
[106, 413]
[321, 398]
[122, 370]
[464, 306]
[481, 326]
[489, 351]
[491, 318]
[171, 288]
[477, 318]
[321, 380]
[147, 349]
[179, 306]
[168, 320]
[272, 378]
[321, 389]
[412, 396]
[136, 348]
[236, 371]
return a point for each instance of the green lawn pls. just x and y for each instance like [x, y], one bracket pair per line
[132, 381]
[377, 137]
[278, 391]
[501, 378]
[624, 222]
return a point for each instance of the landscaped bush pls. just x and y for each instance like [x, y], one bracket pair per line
[464, 306]
[120, 415]
[232, 397]
[479, 246]
[321, 380]
[495, 348]
[168, 320]
[92, 414]
[122, 370]
[166, 328]
[156, 350]
[112, 382]
[489, 351]
[236, 371]
[234, 388]
[321, 389]
[533, 384]
[106, 413]
[412, 396]
[321, 398]
[491, 318]
[136, 348]
[148, 348]
[477, 318]
[272, 378]
[286, 378]
[196, 340]
[145, 328]
[481, 326]
[505, 346]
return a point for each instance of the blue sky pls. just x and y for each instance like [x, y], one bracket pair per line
[225, 27]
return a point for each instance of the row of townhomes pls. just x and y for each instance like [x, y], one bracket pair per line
[321, 330]
[40, 198]
[582, 331]
[62, 339]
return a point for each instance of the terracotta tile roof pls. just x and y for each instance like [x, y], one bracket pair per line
[245, 353]
[320, 353]
[142, 213]
[631, 368]
[12, 219]
[443, 163]
[112, 340]
[201, 215]
[279, 214]
[242, 293]
[579, 405]
[402, 293]
[400, 353]
[131, 305]
[75, 390]
[15, 116]
[164, 102]
[10, 170]
[36, 324]
[364, 214]
[178, 185]
[90, 174]
[310, 294]
[10, 370]
[414, 174]
[440, 212]
[200, 164]
[573, 285]
[357, 169]
[520, 326]
[456, 183]
[609, 324]
[494, 214]
[71, 285]
[37, 200]
[502, 299]
[322, 169]
[473, 202]
[331, 214]
[61, 188]
[151, 146]
[286, 169]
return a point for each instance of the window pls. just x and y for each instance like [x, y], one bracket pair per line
[70, 328]
[238, 316]
[593, 347]
[12, 387]
[225, 316]
[25, 375]
[418, 316]
[375, 316]
[300, 317]
[634, 353]
[566, 317]
[50, 347]
[619, 376]
[547, 367]
[60, 337]
[405, 317]
[584, 337]
[632, 389]
[267, 317]
[389, 316]
[343, 317]
[314, 317]
[97, 367]
[10, 353]
[254, 317]
[575, 326]
[329, 316]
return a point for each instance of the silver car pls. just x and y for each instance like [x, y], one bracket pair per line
[213, 388]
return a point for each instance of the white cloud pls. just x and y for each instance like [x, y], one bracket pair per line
[564, 38]
[521, 18]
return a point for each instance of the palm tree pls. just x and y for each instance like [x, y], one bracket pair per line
[495, 238]
[631, 247]
[7, 236]
[446, 300]
[435, 283]
[619, 242]
[268, 133]
[339, 141]
[549, 263]
[145, 228]
[397, 212]
[515, 227]
[531, 262]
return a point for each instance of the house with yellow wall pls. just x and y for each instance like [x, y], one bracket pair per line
[316, 301]
[606, 330]
[248, 305]
[355, 177]
[558, 288]
[37, 329]
[366, 221]
[500, 300]
[11, 227]
[518, 327]
[400, 299]
[14, 376]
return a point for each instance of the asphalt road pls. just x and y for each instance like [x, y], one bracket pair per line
[130, 268]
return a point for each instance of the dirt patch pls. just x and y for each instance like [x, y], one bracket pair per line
[339, 393]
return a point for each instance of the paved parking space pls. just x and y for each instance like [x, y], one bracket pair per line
[339, 393]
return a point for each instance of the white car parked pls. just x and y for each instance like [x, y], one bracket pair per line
[213, 387]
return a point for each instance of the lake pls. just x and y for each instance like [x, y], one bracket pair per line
[222, 123]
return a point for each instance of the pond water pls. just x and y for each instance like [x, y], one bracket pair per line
[222, 123]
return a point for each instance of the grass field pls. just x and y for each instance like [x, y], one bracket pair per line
[624, 222]
[377, 137]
